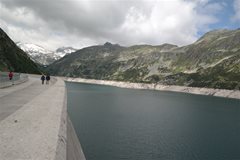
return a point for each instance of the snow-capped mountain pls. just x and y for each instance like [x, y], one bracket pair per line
[33, 49]
[38, 54]
[65, 51]
[44, 56]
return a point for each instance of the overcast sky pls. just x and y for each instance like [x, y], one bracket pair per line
[81, 23]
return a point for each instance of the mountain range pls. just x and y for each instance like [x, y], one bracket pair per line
[43, 56]
[212, 61]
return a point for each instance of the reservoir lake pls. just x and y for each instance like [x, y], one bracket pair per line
[126, 124]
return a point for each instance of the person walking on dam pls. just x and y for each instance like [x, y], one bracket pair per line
[47, 79]
[10, 75]
[43, 78]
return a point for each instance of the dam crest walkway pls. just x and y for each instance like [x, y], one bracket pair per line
[34, 124]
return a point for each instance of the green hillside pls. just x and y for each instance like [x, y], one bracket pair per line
[212, 61]
[13, 58]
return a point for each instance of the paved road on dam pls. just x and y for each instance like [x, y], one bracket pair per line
[15, 97]
[30, 120]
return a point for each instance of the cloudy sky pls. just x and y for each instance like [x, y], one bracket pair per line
[81, 23]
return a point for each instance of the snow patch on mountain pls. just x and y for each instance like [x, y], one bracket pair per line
[33, 49]
[44, 56]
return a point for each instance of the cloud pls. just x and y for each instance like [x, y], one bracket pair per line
[81, 23]
[236, 5]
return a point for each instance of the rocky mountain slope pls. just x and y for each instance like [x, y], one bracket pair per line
[212, 61]
[13, 58]
[43, 56]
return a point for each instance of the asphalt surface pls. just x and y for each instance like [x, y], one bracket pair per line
[13, 98]
[34, 123]
[31, 120]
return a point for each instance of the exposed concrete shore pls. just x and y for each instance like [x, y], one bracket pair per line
[193, 90]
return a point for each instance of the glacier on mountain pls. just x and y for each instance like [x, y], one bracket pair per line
[44, 56]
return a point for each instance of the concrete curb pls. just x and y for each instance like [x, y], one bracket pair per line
[61, 151]
[68, 145]
[74, 149]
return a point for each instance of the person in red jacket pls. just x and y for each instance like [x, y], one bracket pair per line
[10, 75]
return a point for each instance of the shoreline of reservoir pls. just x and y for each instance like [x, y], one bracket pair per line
[183, 89]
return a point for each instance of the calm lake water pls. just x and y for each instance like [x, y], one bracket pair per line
[116, 124]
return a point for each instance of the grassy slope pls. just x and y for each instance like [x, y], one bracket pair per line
[13, 58]
[212, 61]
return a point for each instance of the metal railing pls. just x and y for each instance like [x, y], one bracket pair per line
[17, 78]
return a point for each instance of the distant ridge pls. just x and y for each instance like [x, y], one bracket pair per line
[212, 61]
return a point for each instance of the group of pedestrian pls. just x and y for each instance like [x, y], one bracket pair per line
[47, 78]
[43, 77]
